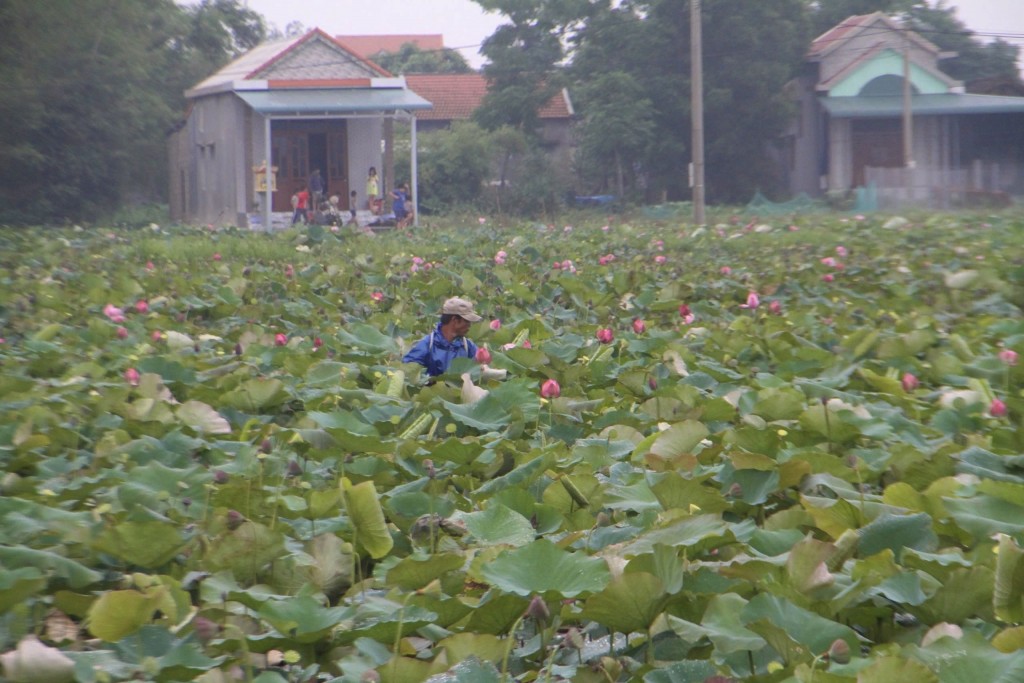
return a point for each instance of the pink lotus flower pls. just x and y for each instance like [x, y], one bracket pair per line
[684, 310]
[828, 261]
[606, 259]
[550, 389]
[660, 258]
[1009, 356]
[639, 326]
[414, 268]
[141, 306]
[280, 339]
[495, 324]
[527, 344]
[557, 265]
[289, 271]
[775, 307]
[122, 333]
[997, 408]
[149, 265]
[605, 228]
[156, 336]
[131, 375]
[794, 228]
[909, 382]
[753, 301]
[659, 245]
[828, 277]
[377, 296]
[481, 220]
[567, 228]
[567, 265]
[317, 342]
[417, 260]
[500, 257]
[725, 270]
[605, 335]
[689, 318]
[216, 256]
[842, 252]
[483, 356]
[115, 314]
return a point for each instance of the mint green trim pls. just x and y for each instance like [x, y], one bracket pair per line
[888, 63]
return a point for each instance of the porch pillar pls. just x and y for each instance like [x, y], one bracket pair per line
[268, 177]
[413, 173]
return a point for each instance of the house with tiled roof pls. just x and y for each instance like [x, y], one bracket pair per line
[255, 130]
[869, 84]
[370, 45]
[456, 96]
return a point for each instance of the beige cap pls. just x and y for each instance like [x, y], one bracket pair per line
[461, 308]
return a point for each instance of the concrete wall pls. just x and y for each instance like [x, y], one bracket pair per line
[886, 64]
[364, 151]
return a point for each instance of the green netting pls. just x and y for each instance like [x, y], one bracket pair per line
[799, 204]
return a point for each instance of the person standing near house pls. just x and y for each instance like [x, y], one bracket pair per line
[447, 341]
[372, 191]
[300, 201]
[316, 187]
[400, 196]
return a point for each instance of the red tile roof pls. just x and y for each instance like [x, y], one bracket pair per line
[368, 46]
[456, 96]
[839, 32]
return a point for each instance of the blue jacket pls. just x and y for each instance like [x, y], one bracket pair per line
[436, 353]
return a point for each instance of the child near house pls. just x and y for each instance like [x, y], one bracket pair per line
[300, 203]
[403, 216]
[373, 191]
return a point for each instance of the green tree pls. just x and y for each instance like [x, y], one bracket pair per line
[412, 60]
[974, 59]
[90, 91]
[452, 165]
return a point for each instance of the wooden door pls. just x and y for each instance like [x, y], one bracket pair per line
[291, 156]
[878, 144]
[337, 162]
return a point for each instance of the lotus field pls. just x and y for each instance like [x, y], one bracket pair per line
[780, 451]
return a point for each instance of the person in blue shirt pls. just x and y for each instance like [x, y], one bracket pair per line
[447, 341]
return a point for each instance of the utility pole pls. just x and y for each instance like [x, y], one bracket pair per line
[697, 113]
[908, 121]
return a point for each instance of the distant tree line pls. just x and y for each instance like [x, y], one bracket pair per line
[90, 89]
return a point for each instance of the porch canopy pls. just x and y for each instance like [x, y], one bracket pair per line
[307, 103]
[337, 103]
[862, 106]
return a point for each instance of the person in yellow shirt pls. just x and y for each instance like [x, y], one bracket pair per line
[373, 192]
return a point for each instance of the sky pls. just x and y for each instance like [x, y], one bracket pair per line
[465, 25]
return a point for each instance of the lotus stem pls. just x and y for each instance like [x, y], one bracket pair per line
[508, 647]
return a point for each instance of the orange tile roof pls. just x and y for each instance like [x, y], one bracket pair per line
[839, 32]
[368, 46]
[456, 96]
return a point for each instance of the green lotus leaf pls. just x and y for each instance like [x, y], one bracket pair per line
[487, 415]
[628, 603]
[499, 525]
[256, 395]
[302, 619]
[567, 574]
[415, 572]
[468, 671]
[145, 544]
[116, 614]
[697, 671]
[367, 517]
[721, 624]
[484, 647]
[17, 585]
[895, 532]
[202, 418]
[76, 574]
[809, 630]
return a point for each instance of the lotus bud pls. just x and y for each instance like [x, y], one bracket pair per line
[538, 609]
[266, 445]
[605, 335]
[122, 333]
[639, 326]
[550, 389]
[235, 519]
[294, 468]
[220, 477]
[495, 324]
[483, 356]
[216, 256]
[317, 342]
[652, 383]
[280, 339]
[1009, 356]
[238, 349]
[428, 465]
[141, 306]
[839, 651]
[131, 375]
[205, 629]
[997, 408]
[909, 382]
